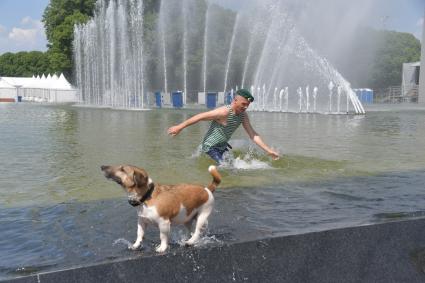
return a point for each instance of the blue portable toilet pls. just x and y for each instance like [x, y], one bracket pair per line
[158, 99]
[365, 95]
[211, 100]
[362, 97]
[369, 96]
[177, 99]
[228, 98]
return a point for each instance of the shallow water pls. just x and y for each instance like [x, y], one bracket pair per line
[57, 210]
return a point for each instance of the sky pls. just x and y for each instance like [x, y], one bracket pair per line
[21, 28]
[399, 15]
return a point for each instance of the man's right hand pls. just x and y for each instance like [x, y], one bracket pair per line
[174, 130]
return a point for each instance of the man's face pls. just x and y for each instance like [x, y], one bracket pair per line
[241, 104]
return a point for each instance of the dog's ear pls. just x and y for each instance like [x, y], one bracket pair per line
[151, 185]
[139, 178]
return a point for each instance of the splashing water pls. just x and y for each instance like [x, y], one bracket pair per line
[181, 236]
[122, 241]
[249, 161]
[207, 240]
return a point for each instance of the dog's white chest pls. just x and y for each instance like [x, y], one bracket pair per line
[148, 213]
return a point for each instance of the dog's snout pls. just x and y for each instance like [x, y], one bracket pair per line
[103, 167]
[133, 202]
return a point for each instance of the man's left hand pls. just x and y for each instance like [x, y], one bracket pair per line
[273, 155]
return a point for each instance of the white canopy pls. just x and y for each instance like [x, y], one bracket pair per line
[49, 82]
[5, 84]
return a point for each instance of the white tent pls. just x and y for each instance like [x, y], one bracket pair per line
[42, 89]
[7, 91]
[64, 83]
[5, 84]
[17, 82]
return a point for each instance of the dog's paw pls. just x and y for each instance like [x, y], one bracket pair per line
[161, 248]
[189, 242]
[135, 246]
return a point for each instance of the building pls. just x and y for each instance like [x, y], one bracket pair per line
[421, 99]
[410, 80]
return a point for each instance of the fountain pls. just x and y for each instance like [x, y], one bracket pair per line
[275, 98]
[204, 61]
[339, 92]
[300, 99]
[330, 87]
[315, 89]
[229, 56]
[307, 97]
[197, 46]
[163, 45]
[252, 35]
[286, 99]
[185, 17]
[106, 77]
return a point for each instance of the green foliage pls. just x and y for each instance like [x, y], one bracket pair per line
[24, 64]
[374, 58]
[60, 52]
[57, 11]
[394, 49]
[59, 19]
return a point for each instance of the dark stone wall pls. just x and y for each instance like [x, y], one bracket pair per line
[389, 252]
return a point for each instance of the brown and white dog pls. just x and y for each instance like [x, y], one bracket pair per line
[165, 204]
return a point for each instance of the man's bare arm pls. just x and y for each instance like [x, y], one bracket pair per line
[216, 114]
[255, 137]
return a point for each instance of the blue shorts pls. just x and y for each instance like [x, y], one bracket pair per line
[216, 154]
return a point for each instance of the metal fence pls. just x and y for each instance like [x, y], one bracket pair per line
[394, 94]
[47, 95]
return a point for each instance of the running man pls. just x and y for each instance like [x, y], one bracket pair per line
[224, 122]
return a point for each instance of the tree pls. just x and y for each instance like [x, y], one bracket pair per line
[62, 36]
[58, 10]
[394, 49]
[374, 58]
[59, 19]
[24, 64]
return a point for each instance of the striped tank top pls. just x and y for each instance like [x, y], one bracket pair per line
[218, 135]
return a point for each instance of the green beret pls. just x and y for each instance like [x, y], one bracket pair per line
[245, 93]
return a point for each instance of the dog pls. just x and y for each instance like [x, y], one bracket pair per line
[164, 205]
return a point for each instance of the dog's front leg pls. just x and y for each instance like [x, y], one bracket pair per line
[164, 229]
[141, 227]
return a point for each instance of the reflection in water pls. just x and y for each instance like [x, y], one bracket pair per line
[57, 210]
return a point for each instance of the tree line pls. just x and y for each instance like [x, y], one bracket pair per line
[59, 18]
[378, 54]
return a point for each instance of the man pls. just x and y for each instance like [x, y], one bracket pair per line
[225, 120]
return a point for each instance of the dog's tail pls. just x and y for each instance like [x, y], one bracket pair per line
[216, 178]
